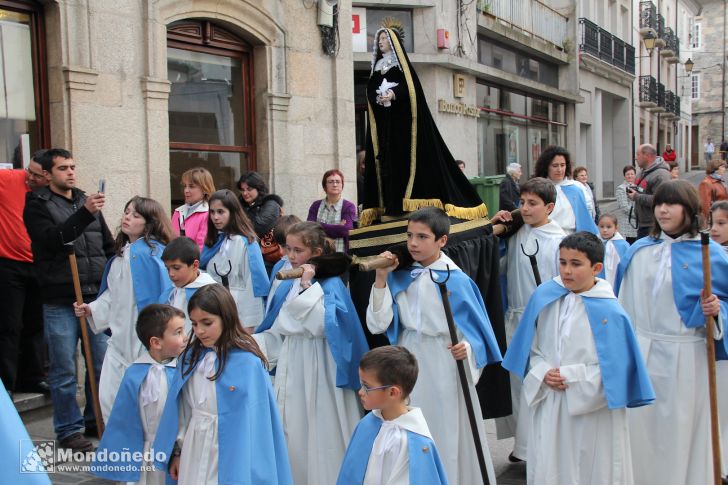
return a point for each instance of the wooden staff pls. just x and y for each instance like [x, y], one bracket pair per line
[442, 285]
[713, 391]
[327, 266]
[85, 338]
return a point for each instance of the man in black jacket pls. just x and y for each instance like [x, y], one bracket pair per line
[55, 216]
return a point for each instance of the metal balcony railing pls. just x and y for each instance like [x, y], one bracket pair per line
[531, 16]
[670, 101]
[677, 106]
[648, 15]
[601, 44]
[648, 89]
[660, 95]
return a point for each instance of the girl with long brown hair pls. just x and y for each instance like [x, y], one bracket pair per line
[232, 256]
[133, 278]
[220, 423]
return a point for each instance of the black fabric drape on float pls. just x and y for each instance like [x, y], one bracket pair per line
[474, 249]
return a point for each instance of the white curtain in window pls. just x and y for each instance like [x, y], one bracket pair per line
[17, 93]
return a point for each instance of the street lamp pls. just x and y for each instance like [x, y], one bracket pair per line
[688, 65]
[649, 41]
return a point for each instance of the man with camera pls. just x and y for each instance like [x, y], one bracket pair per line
[653, 172]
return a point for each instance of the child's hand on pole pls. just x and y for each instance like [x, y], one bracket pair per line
[710, 305]
[459, 351]
[381, 278]
[82, 310]
[554, 380]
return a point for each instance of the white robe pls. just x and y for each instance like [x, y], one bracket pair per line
[178, 297]
[575, 438]
[197, 435]
[152, 397]
[318, 417]
[235, 252]
[116, 309]
[563, 213]
[424, 332]
[671, 438]
[520, 287]
[389, 460]
[611, 258]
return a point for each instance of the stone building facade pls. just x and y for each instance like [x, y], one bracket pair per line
[251, 88]
[707, 84]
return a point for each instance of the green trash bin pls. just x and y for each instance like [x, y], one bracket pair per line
[488, 189]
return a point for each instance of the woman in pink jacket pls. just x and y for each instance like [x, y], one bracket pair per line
[190, 219]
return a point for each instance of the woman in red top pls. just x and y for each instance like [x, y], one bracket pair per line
[712, 188]
[669, 155]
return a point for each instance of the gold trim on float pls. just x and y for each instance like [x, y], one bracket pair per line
[375, 146]
[398, 238]
[413, 108]
[468, 213]
[364, 230]
[410, 205]
[368, 216]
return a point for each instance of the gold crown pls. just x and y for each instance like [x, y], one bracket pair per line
[394, 24]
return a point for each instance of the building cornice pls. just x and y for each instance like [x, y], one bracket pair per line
[605, 70]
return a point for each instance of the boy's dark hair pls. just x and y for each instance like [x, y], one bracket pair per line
[46, 159]
[679, 192]
[182, 248]
[280, 230]
[153, 320]
[547, 156]
[393, 365]
[434, 218]
[542, 188]
[587, 243]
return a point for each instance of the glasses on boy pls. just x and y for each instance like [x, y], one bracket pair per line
[367, 390]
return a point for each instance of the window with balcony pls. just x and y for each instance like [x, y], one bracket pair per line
[506, 58]
[695, 86]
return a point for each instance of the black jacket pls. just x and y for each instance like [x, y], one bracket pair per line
[510, 195]
[263, 212]
[52, 220]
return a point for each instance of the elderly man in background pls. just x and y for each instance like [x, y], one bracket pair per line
[21, 321]
[510, 190]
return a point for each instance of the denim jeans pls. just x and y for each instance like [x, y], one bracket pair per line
[62, 333]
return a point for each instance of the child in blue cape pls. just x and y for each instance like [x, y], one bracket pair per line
[408, 306]
[581, 367]
[392, 445]
[181, 257]
[140, 401]
[615, 246]
[313, 336]
[719, 234]
[231, 249]
[540, 236]
[280, 230]
[220, 422]
[134, 277]
[661, 290]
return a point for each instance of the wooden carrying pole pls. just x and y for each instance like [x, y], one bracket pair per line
[710, 341]
[442, 285]
[86, 342]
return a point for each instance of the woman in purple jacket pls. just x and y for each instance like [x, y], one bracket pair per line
[335, 214]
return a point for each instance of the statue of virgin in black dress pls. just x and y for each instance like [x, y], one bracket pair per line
[408, 165]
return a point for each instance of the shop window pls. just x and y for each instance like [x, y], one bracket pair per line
[23, 81]
[210, 103]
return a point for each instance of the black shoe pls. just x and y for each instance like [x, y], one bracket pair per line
[40, 387]
[76, 442]
[91, 431]
[514, 459]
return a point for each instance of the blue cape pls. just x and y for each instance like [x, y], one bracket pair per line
[276, 268]
[584, 220]
[468, 312]
[148, 273]
[125, 431]
[258, 275]
[251, 443]
[624, 375]
[16, 448]
[344, 332]
[425, 467]
[621, 246]
[687, 281]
